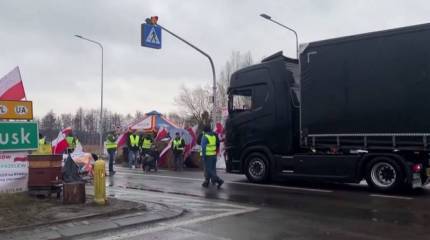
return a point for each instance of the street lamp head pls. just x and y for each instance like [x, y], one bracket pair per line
[79, 36]
[263, 15]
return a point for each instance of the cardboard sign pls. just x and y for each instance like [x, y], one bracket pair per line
[16, 110]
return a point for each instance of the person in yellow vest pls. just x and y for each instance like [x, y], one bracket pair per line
[145, 147]
[42, 139]
[178, 145]
[71, 141]
[111, 149]
[210, 145]
[146, 143]
[133, 148]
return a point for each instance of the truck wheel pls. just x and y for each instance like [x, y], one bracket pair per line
[384, 174]
[257, 168]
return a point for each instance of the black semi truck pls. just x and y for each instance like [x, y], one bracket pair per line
[349, 109]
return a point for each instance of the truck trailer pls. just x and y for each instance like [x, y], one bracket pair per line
[351, 108]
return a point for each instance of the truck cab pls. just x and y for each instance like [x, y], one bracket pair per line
[263, 116]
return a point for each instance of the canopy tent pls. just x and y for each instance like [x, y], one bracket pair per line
[155, 122]
[152, 122]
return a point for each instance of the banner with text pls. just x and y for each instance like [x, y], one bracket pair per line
[13, 172]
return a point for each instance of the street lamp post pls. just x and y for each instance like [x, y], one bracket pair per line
[101, 92]
[214, 110]
[263, 15]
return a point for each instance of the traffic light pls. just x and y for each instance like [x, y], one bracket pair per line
[154, 20]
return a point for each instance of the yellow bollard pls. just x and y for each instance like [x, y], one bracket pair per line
[99, 182]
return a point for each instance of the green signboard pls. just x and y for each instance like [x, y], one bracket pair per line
[16, 136]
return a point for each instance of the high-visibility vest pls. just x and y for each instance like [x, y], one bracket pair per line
[177, 144]
[134, 140]
[42, 141]
[211, 145]
[71, 141]
[110, 144]
[146, 143]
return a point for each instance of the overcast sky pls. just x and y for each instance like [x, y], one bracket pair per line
[61, 72]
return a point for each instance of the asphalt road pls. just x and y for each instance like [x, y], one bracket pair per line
[286, 210]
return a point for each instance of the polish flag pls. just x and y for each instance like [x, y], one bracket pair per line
[162, 133]
[192, 131]
[163, 155]
[11, 87]
[59, 145]
[122, 139]
[219, 129]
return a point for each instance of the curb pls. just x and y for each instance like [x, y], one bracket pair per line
[118, 227]
[84, 217]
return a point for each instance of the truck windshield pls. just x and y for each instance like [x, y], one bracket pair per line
[240, 100]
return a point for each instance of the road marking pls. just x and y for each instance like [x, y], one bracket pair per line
[237, 183]
[201, 234]
[179, 224]
[283, 187]
[215, 209]
[146, 193]
[391, 196]
[159, 176]
[126, 169]
[238, 209]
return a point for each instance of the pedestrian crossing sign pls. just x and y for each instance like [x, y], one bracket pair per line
[151, 36]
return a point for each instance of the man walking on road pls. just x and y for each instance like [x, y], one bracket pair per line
[210, 144]
[133, 148]
[111, 149]
[178, 145]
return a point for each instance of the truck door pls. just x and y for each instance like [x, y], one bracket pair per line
[250, 110]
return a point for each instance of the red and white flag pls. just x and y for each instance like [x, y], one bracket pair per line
[219, 129]
[11, 87]
[193, 133]
[121, 140]
[59, 145]
[163, 155]
[162, 133]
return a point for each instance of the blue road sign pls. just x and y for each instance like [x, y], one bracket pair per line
[151, 36]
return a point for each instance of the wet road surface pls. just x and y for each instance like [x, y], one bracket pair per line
[287, 210]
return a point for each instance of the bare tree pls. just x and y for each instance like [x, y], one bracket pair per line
[90, 121]
[78, 120]
[49, 121]
[128, 119]
[138, 115]
[107, 121]
[194, 102]
[116, 119]
[178, 120]
[236, 62]
[66, 120]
